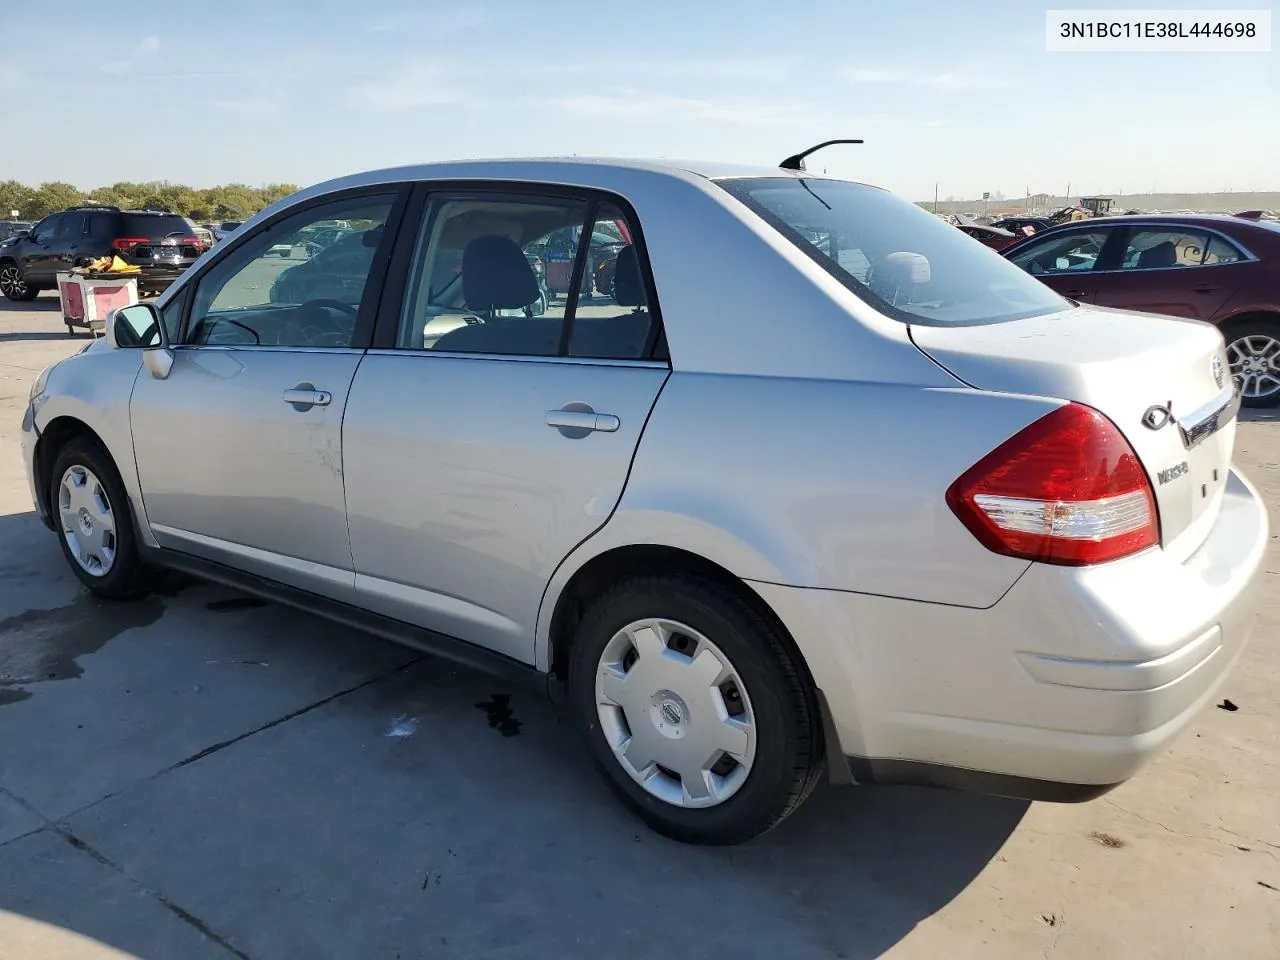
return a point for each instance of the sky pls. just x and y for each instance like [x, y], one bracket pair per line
[961, 96]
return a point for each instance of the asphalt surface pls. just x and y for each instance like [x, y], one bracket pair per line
[198, 775]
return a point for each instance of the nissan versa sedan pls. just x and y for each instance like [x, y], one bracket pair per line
[847, 496]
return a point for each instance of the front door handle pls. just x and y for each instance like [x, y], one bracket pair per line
[1074, 294]
[305, 396]
[578, 419]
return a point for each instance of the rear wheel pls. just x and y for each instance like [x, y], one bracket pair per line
[1253, 354]
[95, 526]
[694, 708]
[14, 285]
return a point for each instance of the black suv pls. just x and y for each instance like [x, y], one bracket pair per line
[161, 243]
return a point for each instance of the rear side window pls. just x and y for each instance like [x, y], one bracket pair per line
[901, 259]
[153, 226]
[102, 224]
[1160, 249]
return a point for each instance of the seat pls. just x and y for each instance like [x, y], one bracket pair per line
[497, 276]
[622, 337]
[1161, 255]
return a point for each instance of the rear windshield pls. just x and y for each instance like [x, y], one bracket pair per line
[901, 259]
[154, 226]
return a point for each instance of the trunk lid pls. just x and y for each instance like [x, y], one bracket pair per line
[1164, 382]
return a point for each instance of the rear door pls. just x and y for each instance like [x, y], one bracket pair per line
[1066, 260]
[492, 427]
[1171, 270]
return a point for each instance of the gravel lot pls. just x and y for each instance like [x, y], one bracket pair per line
[200, 775]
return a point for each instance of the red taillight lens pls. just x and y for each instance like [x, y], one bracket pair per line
[194, 242]
[127, 244]
[1067, 489]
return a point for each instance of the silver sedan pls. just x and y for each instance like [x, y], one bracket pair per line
[821, 487]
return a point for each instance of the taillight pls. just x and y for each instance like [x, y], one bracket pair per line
[127, 244]
[1067, 489]
[194, 242]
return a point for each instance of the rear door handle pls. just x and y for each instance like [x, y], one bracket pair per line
[305, 396]
[1203, 289]
[1074, 294]
[580, 420]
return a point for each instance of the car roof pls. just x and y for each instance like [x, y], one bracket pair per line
[564, 170]
[1171, 219]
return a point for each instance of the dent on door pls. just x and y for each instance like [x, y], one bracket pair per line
[469, 480]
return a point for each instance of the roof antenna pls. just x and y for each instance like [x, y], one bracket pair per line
[797, 162]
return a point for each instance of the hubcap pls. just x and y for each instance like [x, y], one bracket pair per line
[675, 713]
[88, 523]
[12, 282]
[1253, 362]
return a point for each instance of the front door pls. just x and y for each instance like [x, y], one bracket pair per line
[41, 251]
[494, 431]
[1065, 260]
[239, 449]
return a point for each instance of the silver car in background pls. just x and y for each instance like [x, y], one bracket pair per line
[821, 487]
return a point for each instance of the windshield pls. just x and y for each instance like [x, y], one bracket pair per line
[901, 259]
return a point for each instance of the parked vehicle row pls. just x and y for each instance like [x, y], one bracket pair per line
[791, 502]
[162, 244]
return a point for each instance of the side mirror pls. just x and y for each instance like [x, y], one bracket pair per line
[140, 327]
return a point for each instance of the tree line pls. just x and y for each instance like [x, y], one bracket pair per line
[232, 201]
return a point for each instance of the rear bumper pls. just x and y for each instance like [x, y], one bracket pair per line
[1073, 679]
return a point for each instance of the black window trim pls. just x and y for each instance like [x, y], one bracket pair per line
[387, 324]
[370, 301]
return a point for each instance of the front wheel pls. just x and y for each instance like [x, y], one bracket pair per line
[95, 526]
[14, 285]
[694, 708]
[1253, 354]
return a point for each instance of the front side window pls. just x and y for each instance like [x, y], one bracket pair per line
[899, 258]
[1073, 252]
[300, 283]
[1161, 249]
[44, 231]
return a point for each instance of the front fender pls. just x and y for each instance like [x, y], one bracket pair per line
[94, 388]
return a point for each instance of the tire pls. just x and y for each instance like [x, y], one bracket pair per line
[1256, 343]
[14, 285]
[85, 459]
[786, 758]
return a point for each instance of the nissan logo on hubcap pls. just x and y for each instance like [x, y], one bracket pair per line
[671, 712]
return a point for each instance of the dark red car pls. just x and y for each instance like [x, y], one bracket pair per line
[1221, 269]
[993, 237]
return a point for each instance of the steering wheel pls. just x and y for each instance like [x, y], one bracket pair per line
[320, 328]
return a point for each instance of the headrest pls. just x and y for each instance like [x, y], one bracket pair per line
[496, 275]
[628, 291]
[1161, 255]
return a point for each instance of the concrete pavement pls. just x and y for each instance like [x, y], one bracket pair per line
[201, 775]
